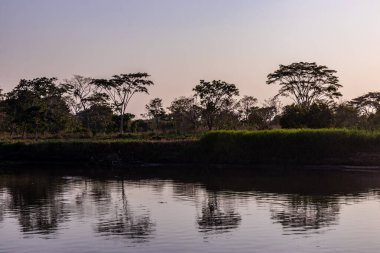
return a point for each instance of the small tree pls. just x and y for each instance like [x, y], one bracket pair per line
[155, 111]
[185, 113]
[347, 116]
[367, 104]
[213, 97]
[262, 117]
[121, 88]
[306, 83]
[98, 118]
[245, 107]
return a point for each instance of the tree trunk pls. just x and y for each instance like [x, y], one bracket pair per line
[122, 123]
[23, 132]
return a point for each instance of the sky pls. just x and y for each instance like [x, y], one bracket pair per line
[179, 42]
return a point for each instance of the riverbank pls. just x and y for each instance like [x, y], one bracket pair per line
[238, 148]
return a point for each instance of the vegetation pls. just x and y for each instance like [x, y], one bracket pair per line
[306, 83]
[305, 146]
[286, 147]
[83, 107]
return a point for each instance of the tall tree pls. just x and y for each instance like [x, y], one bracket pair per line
[81, 90]
[121, 88]
[306, 83]
[213, 97]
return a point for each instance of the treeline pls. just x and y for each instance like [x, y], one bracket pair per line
[86, 106]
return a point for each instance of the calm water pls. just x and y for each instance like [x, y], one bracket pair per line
[250, 213]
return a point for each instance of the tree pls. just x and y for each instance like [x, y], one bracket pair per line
[81, 89]
[318, 115]
[293, 116]
[4, 117]
[346, 116]
[262, 117]
[98, 118]
[245, 107]
[214, 96]
[121, 88]
[306, 83]
[367, 104]
[83, 95]
[2, 95]
[155, 110]
[128, 117]
[185, 113]
[38, 104]
[140, 126]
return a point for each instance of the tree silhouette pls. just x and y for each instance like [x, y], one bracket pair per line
[306, 83]
[38, 105]
[367, 104]
[155, 111]
[121, 88]
[214, 96]
[185, 113]
[245, 106]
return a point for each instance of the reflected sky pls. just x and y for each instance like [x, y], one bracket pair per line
[205, 214]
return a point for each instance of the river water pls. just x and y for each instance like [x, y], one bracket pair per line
[315, 212]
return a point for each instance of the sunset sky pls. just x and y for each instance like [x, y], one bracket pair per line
[179, 42]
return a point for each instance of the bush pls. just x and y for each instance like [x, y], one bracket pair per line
[312, 146]
[318, 115]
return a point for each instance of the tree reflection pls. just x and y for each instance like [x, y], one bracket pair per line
[305, 212]
[41, 204]
[216, 218]
[122, 222]
[35, 203]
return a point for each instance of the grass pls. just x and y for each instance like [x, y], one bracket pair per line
[296, 146]
[6, 138]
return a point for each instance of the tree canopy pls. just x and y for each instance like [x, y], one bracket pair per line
[121, 88]
[306, 83]
[368, 103]
[213, 97]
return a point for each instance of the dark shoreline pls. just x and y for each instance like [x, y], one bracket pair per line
[334, 149]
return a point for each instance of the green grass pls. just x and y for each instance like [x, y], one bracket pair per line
[294, 145]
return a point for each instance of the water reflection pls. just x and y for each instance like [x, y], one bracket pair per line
[37, 204]
[121, 220]
[122, 208]
[301, 213]
[216, 217]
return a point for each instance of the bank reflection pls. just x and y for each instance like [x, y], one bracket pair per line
[311, 203]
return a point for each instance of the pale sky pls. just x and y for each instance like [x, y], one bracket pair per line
[179, 42]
